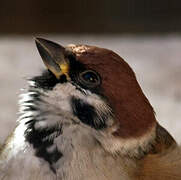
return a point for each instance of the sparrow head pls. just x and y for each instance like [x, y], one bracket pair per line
[97, 89]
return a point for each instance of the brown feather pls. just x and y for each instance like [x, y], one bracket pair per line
[164, 166]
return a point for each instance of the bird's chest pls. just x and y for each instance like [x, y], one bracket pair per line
[79, 158]
[84, 159]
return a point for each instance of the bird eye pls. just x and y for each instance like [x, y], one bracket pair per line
[89, 78]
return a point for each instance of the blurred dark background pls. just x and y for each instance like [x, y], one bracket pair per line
[90, 16]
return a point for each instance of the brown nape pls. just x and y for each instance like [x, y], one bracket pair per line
[165, 162]
[163, 141]
[132, 110]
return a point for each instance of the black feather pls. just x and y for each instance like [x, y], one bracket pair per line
[87, 114]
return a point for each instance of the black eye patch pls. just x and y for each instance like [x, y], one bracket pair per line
[87, 114]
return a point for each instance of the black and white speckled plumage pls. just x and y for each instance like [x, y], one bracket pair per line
[49, 121]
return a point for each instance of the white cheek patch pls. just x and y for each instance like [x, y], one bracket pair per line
[99, 104]
[62, 93]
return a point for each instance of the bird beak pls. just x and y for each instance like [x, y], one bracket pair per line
[53, 56]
